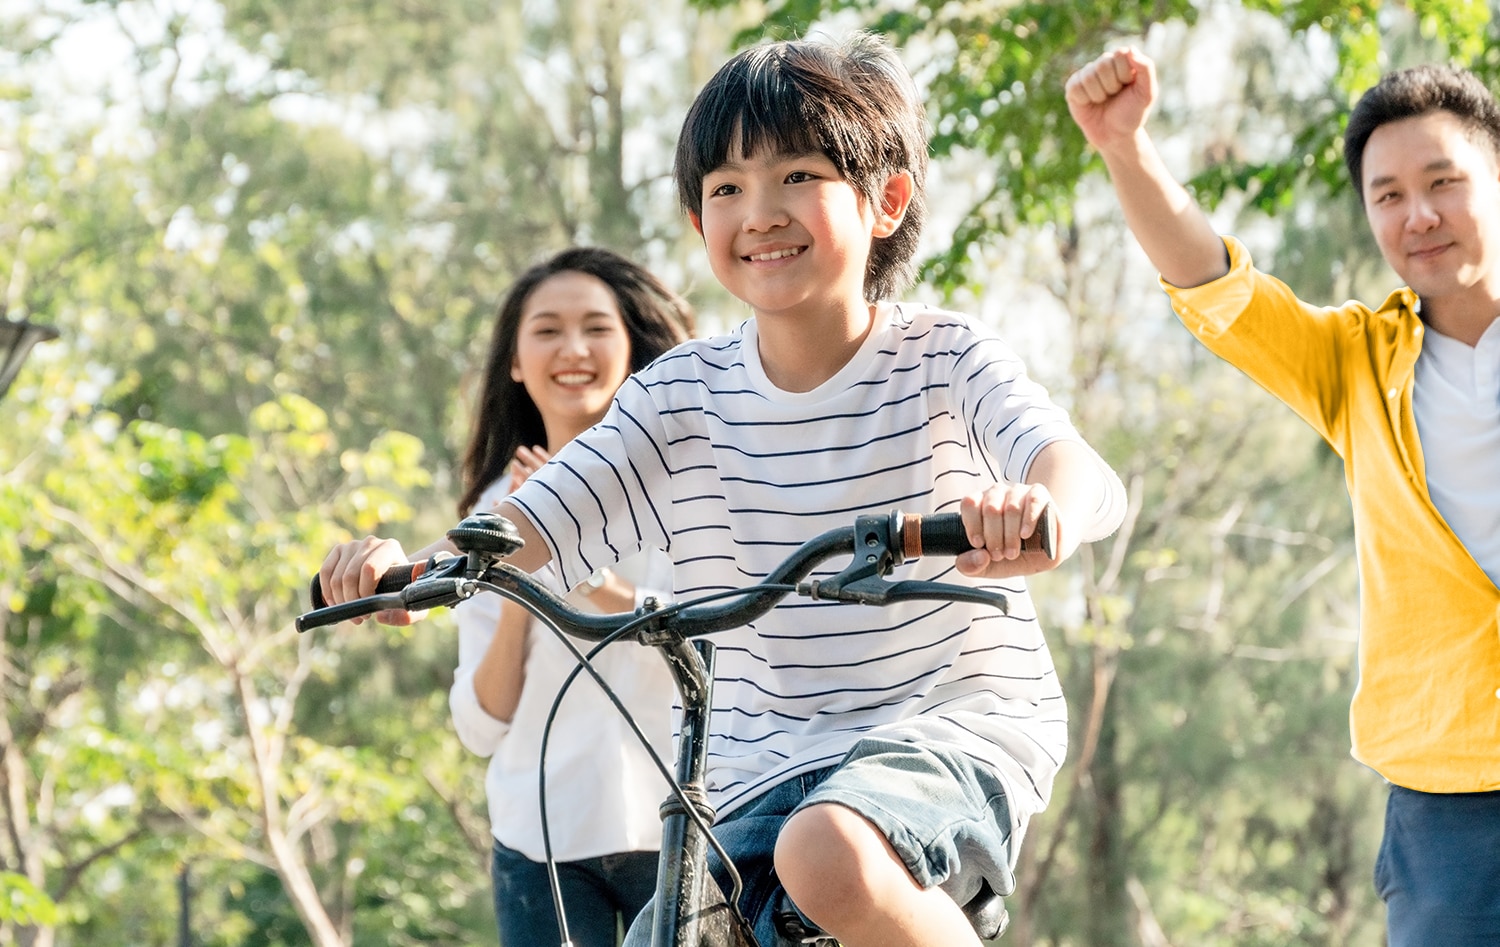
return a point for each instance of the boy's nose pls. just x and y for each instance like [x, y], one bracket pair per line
[765, 214]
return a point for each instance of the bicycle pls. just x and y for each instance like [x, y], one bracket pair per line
[691, 909]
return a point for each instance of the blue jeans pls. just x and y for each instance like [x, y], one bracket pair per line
[946, 816]
[598, 895]
[1439, 869]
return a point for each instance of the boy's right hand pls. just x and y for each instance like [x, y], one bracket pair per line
[351, 570]
[997, 521]
[1111, 97]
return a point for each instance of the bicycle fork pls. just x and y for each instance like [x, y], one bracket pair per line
[690, 909]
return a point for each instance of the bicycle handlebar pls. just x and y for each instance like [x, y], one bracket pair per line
[878, 543]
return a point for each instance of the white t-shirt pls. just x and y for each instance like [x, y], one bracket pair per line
[603, 792]
[702, 456]
[1456, 403]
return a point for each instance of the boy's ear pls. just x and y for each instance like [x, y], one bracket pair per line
[697, 222]
[894, 199]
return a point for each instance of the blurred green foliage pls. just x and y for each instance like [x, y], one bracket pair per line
[273, 243]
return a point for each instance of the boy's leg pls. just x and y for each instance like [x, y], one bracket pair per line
[748, 835]
[886, 848]
[1438, 870]
[856, 888]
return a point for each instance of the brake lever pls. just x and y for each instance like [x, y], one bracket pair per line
[436, 593]
[874, 590]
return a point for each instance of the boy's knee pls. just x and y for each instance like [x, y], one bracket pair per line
[832, 860]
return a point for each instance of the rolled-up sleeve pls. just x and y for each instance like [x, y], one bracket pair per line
[477, 730]
[1210, 309]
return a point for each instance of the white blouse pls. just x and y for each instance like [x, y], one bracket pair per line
[603, 791]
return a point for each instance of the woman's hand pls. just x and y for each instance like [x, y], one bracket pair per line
[527, 461]
[352, 570]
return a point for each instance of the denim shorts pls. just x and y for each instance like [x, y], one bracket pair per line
[1438, 870]
[945, 814]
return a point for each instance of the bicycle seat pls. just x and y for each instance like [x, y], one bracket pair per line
[985, 911]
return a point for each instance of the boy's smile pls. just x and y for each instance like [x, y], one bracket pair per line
[775, 255]
[788, 235]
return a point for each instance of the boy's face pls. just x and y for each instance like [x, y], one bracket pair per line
[1432, 196]
[787, 234]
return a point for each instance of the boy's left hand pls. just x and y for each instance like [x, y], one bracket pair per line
[997, 520]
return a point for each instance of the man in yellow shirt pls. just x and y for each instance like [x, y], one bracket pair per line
[1408, 394]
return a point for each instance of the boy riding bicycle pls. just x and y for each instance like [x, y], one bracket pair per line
[874, 768]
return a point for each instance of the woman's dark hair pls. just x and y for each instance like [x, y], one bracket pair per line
[852, 101]
[1420, 90]
[505, 417]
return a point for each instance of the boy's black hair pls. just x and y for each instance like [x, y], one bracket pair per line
[1421, 90]
[852, 101]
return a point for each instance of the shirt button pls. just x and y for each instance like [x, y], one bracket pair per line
[1392, 393]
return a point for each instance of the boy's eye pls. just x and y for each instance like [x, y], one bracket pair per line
[800, 177]
[722, 190]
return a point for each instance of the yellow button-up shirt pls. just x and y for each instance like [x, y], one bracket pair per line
[1426, 712]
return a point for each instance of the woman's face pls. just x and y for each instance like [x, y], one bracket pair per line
[572, 352]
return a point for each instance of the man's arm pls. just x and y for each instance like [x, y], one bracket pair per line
[1110, 99]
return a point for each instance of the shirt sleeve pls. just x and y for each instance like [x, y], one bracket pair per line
[1296, 351]
[477, 618]
[1015, 418]
[606, 494]
[477, 730]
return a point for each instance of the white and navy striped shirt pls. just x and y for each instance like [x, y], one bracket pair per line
[703, 457]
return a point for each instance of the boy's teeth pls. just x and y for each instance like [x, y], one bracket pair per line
[580, 378]
[776, 254]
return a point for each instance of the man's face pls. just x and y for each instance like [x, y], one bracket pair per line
[1432, 196]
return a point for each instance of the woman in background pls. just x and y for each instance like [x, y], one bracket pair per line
[568, 334]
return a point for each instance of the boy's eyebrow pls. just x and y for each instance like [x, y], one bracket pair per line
[780, 154]
[1439, 164]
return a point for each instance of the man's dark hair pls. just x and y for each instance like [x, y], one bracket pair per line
[852, 101]
[1421, 90]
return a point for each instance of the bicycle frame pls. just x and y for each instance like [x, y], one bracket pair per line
[690, 909]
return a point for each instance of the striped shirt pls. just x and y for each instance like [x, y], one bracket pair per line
[702, 456]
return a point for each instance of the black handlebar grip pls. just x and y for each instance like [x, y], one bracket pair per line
[395, 579]
[940, 534]
[943, 534]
